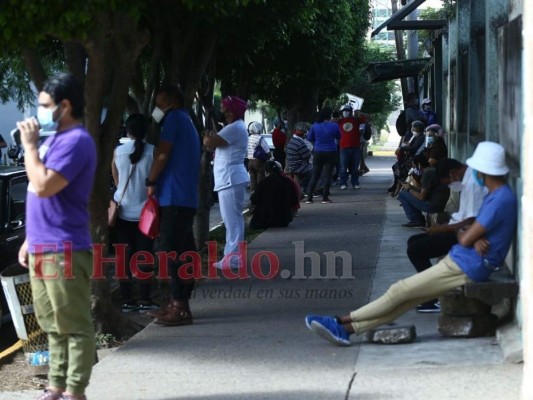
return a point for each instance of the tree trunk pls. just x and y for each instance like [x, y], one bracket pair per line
[34, 67]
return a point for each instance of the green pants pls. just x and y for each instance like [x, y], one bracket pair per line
[62, 303]
[407, 293]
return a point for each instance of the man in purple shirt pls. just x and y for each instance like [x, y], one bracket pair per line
[58, 242]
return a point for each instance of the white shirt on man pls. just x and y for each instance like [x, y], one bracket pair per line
[470, 198]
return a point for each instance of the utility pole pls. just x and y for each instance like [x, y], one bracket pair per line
[412, 47]
[400, 52]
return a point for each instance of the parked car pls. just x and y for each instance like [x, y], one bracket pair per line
[13, 187]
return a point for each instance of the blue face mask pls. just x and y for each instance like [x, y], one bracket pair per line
[45, 116]
[430, 140]
[478, 180]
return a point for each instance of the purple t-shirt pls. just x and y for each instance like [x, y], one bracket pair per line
[63, 217]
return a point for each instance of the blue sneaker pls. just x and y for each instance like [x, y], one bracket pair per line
[311, 318]
[328, 328]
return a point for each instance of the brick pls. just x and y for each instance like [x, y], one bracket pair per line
[481, 325]
[454, 303]
[393, 335]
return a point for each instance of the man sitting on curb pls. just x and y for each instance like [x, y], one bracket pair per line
[439, 239]
[481, 249]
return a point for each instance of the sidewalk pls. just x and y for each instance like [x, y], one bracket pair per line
[249, 340]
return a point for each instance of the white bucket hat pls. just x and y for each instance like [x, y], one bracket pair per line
[489, 158]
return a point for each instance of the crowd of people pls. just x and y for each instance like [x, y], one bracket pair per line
[302, 166]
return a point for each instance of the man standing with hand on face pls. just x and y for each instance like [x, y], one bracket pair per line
[58, 243]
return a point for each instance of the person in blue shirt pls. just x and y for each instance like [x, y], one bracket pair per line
[174, 180]
[480, 250]
[324, 135]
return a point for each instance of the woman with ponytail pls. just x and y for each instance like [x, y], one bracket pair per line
[130, 167]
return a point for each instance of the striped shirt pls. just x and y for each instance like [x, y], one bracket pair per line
[253, 140]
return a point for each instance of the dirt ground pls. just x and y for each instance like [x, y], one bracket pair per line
[15, 373]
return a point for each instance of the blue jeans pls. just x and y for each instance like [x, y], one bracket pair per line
[350, 159]
[413, 207]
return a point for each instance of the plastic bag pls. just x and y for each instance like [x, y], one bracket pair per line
[149, 221]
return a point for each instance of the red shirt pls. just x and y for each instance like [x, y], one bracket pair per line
[278, 138]
[350, 135]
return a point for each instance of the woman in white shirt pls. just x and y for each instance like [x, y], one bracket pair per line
[133, 158]
[231, 177]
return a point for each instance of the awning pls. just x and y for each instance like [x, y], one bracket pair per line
[395, 21]
[386, 71]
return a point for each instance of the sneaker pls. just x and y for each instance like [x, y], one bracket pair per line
[356, 187]
[309, 202]
[223, 264]
[343, 187]
[328, 328]
[429, 307]
[327, 201]
[149, 305]
[310, 318]
[130, 307]
[50, 395]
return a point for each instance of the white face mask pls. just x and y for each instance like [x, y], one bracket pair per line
[346, 114]
[157, 114]
[414, 132]
[456, 186]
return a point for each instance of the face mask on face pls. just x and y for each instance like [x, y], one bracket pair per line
[431, 140]
[157, 114]
[477, 178]
[414, 132]
[346, 114]
[45, 116]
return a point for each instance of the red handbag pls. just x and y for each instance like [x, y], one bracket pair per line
[149, 221]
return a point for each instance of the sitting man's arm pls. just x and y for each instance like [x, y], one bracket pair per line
[474, 236]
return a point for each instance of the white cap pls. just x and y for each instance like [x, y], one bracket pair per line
[489, 158]
[255, 127]
[427, 100]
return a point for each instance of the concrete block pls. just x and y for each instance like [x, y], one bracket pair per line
[501, 285]
[509, 337]
[481, 325]
[454, 303]
[393, 335]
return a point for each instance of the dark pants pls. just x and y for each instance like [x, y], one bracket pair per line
[422, 247]
[128, 233]
[322, 160]
[177, 235]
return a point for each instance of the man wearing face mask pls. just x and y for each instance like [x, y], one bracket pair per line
[350, 146]
[58, 243]
[173, 179]
[439, 239]
[429, 114]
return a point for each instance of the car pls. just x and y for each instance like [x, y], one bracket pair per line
[13, 188]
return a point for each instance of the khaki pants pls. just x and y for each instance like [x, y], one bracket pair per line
[407, 293]
[63, 310]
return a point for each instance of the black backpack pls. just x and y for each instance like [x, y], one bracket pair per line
[401, 123]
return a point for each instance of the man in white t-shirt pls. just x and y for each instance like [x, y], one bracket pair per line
[439, 239]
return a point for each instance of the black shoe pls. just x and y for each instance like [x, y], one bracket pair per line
[429, 307]
[414, 225]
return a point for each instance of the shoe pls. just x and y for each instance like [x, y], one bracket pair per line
[130, 307]
[310, 318]
[328, 328]
[327, 201]
[50, 395]
[356, 187]
[343, 187]
[73, 397]
[176, 316]
[414, 225]
[146, 306]
[309, 202]
[429, 307]
[223, 264]
[159, 312]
